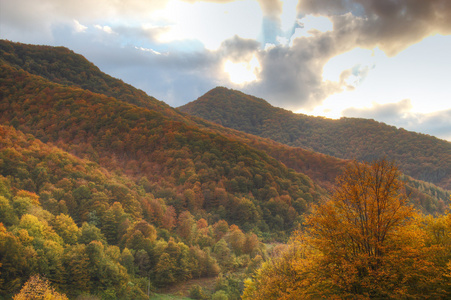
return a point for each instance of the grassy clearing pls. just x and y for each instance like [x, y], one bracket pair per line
[181, 291]
[168, 297]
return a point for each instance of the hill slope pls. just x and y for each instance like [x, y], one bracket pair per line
[186, 166]
[146, 191]
[138, 143]
[90, 231]
[420, 156]
[157, 195]
[63, 66]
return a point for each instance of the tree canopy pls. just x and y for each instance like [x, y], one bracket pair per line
[365, 242]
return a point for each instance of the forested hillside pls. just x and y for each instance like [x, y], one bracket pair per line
[186, 166]
[420, 156]
[90, 231]
[63, 66]
[178, 201]
[109, 193]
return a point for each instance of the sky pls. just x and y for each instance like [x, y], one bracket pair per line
[386, 60]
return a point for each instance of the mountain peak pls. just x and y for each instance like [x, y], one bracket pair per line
[347, 138]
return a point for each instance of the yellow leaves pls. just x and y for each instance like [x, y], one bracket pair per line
[38, 228]
[37, 288]
[365, 210]
[363, 243]
[66, 228]
[24, 237]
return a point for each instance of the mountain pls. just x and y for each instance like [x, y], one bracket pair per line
[63, 66]
[421, 156]
[187, 202]
[146, 144]
[112, 196]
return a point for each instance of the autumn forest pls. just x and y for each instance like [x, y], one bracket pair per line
[109, 193]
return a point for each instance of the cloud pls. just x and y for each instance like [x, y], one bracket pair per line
[271, 8]
[389, 113]
[290, 73]
[34, 21]
[437, 124]
[400, 114]
[291, 76]
[390, 25]
[105, 28]
[237, 49]
[79, 27]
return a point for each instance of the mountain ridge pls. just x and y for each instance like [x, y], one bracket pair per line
[347, 138]
[115, 196]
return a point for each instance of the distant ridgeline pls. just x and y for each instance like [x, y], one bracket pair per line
[421, 156]
[104, 189]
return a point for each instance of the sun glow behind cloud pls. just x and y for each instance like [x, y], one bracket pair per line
[210, 23]
[242, 72]
[178, 49]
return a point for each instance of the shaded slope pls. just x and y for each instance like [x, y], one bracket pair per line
[324, 169]
[421, 156]
[63, 66]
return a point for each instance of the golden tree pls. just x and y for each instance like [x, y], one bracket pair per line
[353, 231]
[37, 288]
[365, 242]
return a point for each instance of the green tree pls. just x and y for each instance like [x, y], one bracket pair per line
[89, 232]
[77, 266]
[66, 228]
[127, 260]
[165, 270]
[197, 292]
[7, 214]
[17, 258]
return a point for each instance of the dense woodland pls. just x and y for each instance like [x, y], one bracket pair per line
[421, 156]
[91, 231]
[107, 193]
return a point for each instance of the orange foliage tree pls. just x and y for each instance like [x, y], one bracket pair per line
[37, 288]
[365, 242]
